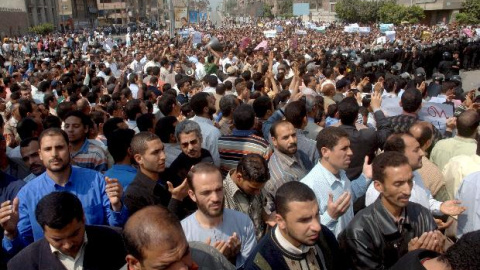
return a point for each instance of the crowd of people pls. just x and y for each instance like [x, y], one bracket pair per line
[221, 148]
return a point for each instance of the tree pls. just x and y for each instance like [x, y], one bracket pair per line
[285, 8]
[470, 12]
[42, 29]
[346, 11]
[267, 11]
[391, 12]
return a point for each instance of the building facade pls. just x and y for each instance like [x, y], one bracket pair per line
[13, 18]
[41, 11]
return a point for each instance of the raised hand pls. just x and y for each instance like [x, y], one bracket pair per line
[180, 192]
[9, 217]
[114, 192]
[452, 207]
[340, 206]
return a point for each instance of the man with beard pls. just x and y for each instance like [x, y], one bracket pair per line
[29, 151]
[100, 196]
[229, 231]
[287, 163]
[386, 230]
[203, 105]
[298, 241]
[148, 187]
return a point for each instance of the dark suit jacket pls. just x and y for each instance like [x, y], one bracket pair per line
[104, 251]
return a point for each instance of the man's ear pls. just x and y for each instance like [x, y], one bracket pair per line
[132, 263]
[191, 194]
[281, 223]
[324, 151]
[378, 186]
[138, 158]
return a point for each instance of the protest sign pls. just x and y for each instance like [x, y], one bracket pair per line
[384, 27]
[390, 35]
[477, 30]
[197, 37]
[364, 30]
[270, 33]
[320, 29]
[262, 44]
[435, 113]
[279, 29]
[300, 32]
[245, 42]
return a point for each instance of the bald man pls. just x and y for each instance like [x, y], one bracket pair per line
[154, 239]
[430, 173]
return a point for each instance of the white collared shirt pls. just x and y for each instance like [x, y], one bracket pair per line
[71, 263]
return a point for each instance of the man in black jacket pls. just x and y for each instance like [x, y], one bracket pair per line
[298, 239]
[386, 230]
[68, 243]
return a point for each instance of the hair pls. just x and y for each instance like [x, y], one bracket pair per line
[188, 126]
[426, 132]
[145, 121]
[26, 142]
[463, 255]
[348, 110]
[273, 128]
[220, 89]
[261, 105]
[198, 102]
[64, 108]
[58, 209]
[384, 160]
[48, 98]
[295, 112]
[329, 137]
[110, 126]
[411, 100]
[228, 104]
[148, 227]
[244, 117]
[202, 167]
[292, 191]
[24, 107]
[254, 168]
[119, 143]
[132, 108]
[467, 123]
[396, 142]
[53, 132]
[26, 127]
[166, 103]
[164, 128]
[52, 121]
[139, 142]
[85, 119]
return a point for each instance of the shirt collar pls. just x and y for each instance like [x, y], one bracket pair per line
[331, 179]
[79, 253]
[203, 120]
[464, 139]
[288, 160]
[84, 148]
[124, 167]
[289, 246]
[243, 133]
[230, 184]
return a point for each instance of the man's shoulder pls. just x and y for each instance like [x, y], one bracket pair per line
[237, 216]
[30, 256]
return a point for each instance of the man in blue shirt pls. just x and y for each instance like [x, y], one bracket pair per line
[101, 201]
[118, 146]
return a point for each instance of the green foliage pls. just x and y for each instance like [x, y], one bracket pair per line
[285, 8]
[470, 13]
[267, 11]
[42, 29]
[387, 11]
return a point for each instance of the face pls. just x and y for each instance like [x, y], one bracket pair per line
[153, 160]
[177, 68]
[208, 193]
[31, 157]
[251, 188]
[413, 152]
[340, 156]
[174, 255]
[301, 224]
[286, 139]
[26, 94]
[75, 130]
[211, 105]
[36, 113]
[54, 153]
[190, 144]
[68, 240]
[396, 187]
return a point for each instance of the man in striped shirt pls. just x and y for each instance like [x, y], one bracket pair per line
[243, 140]
[83, 153]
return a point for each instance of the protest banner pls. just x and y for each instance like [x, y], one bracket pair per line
[300, 32]
[270, 33]
[364, 30]
[279, 29]
[384, 27]
[435, 113]
[390, 35]
[263, 44]
[197, 37]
